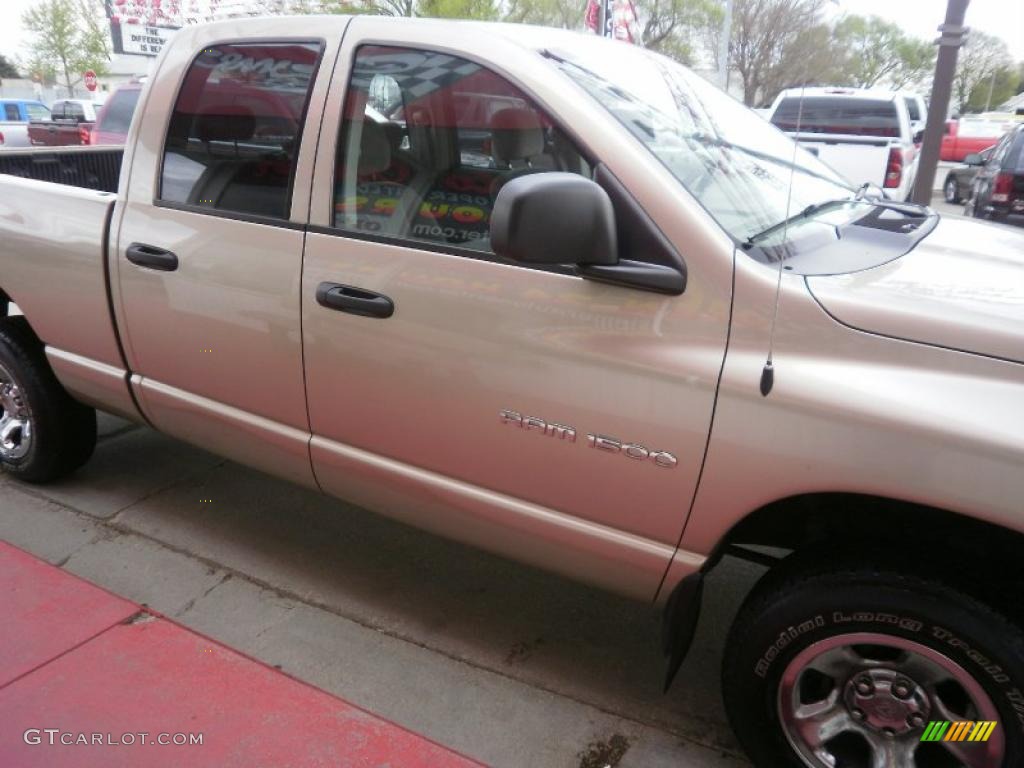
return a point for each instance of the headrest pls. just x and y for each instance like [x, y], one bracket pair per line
[374, 149]
[516, 134]
[226, 122]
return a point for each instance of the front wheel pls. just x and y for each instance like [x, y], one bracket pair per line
[871, 666]
[951, 191]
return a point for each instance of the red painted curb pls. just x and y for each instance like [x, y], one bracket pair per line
[86, 681]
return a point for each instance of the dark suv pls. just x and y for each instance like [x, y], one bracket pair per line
[998, 189]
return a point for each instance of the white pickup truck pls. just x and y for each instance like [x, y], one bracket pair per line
[868, 136]
[558, 297]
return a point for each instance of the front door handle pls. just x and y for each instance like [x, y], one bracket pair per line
[151, 257]
[355, 301]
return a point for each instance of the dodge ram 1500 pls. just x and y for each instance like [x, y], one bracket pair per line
[546, 294]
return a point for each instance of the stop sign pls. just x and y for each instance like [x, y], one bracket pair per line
[89, 78]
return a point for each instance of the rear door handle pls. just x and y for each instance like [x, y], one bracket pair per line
[355, 301]
[151, 257]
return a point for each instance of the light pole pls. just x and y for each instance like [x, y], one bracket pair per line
[953, 34]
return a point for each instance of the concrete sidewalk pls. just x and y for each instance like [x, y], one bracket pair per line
[509, 665]
[88, 678]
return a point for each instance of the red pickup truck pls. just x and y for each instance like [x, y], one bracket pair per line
[69, 124]
[969, 135]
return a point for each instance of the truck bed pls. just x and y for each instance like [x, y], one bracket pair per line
[57, 133]
[97, 168]
[53, 248]
[856, 158]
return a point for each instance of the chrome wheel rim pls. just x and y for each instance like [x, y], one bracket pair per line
[865, 699]
[950, 191]
[16, 429]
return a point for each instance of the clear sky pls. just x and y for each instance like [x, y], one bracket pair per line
[1004, 18]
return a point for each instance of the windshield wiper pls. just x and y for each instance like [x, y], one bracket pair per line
[913, 210]
[876, 198]
[807, 212]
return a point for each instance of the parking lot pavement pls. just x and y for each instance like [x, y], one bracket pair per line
[501, 662]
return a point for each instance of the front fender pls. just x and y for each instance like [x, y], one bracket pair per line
[854, 412]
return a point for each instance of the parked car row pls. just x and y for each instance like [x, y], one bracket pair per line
[68, 122]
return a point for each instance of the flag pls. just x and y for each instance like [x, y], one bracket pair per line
[592, 20]
[624, 24]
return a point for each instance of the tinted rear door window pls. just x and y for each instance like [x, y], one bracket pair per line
[838, 115]
[234, 133]
[11, 112]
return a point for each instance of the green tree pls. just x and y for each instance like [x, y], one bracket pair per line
[480, 10]
[989, 93]
[68, 38]
[7, 67]
[567, 14]
[981, 58]
[869, 47]
[875, 52]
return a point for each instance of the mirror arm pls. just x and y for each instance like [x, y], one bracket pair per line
[636, 274]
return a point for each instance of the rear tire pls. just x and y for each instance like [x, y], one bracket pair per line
[44, 433]
[822, 632]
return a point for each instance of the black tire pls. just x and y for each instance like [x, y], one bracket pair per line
[63, 430]
[817, 601]
[951, 190]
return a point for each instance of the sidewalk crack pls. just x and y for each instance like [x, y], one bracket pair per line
[192, 601]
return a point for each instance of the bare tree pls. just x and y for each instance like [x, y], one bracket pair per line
[982, 57]
[677, 27]
[776, 43]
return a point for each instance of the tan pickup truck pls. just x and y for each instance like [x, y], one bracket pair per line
[546, 294]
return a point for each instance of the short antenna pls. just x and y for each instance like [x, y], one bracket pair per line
[768, 372]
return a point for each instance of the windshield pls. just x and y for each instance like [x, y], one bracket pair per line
[729, 158]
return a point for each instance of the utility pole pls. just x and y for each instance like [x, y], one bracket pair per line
[953, 34]
[723, 47]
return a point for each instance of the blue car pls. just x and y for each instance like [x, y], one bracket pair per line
[15, 115]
